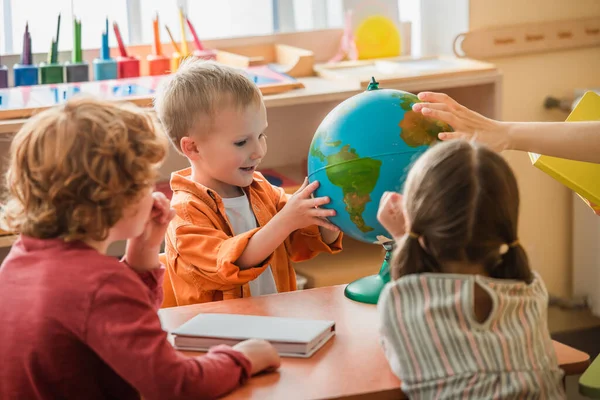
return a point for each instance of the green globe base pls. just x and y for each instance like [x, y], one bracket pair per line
[368, 289]
[365, 290]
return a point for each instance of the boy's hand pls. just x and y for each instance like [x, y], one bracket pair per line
[303, 210]
[391, 214]
[142, 251]
[262, 355]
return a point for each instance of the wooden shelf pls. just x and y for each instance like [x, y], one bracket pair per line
[320, 90]
[7, 240]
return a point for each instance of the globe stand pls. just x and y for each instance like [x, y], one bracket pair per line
[368, 289]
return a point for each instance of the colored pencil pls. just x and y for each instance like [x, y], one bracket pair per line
[184, 46]
[77, 56]
[24, 52]
[157, 48]
[54, 57]
[51, 52]
[105, 50]
[27, 59]
[57, 29]
[122, 49]
[29, 55]
[173, 42]
[197, 41]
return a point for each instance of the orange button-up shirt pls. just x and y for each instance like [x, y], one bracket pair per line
[201, 249]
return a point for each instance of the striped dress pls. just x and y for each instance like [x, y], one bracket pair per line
[437, 348]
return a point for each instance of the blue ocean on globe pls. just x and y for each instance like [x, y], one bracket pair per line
[364, 147]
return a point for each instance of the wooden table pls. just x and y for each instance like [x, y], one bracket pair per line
[350, 366]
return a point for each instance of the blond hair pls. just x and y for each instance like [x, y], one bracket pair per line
[462, 201]
[75, 167]
[198, 89]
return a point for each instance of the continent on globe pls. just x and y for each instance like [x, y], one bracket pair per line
[356, 177]
[414, 129]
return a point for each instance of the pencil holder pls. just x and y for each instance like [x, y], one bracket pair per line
[78, 72]
[206, 54]
[26, 75]
[3, 76]
[105, 69]
[128, 67]
[158, 65]
[52, 73]
[176, 59]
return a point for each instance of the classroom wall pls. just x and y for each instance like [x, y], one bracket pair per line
[546, 206]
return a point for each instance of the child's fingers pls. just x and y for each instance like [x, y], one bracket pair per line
[323, 212]
[168, 216]
[391, 202]
[326, 224]
[161, 202]
[304, 185]
[319, 201]
[384, 198]
[159, 197]
[308, 190]
[161, 208]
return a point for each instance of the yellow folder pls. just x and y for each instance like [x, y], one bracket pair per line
[581, 177]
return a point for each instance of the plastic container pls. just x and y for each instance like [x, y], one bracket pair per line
[158, 65]
[105, 69]
[52, 73]
[128, 67]
[3, 76]
[26, 75]
[79, 72]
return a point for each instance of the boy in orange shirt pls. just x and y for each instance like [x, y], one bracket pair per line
[234, 234]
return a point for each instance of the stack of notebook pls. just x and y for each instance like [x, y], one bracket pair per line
[292, 337]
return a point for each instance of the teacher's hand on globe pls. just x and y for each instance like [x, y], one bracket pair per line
[467, 123]
[302, 210]
[391, 214]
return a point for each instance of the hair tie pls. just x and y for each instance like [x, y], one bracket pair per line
[504, 247]
[413, 235]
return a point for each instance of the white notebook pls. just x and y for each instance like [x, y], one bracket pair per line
[292, 337]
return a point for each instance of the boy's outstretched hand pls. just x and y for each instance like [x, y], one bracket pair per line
[300, 211]
[467, 124]
[303, 210]
[142, 251]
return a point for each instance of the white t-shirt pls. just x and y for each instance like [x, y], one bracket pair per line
[242, 220]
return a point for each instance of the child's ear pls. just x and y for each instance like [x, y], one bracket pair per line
[189, 147]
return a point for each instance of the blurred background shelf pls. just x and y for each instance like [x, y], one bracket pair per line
[7, 240]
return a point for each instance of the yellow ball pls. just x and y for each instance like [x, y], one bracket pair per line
[377, 37]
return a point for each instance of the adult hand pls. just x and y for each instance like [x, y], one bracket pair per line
[467, 124]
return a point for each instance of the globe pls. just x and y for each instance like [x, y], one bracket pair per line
[364, 147]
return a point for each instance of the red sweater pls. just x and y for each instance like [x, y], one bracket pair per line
[77, 324]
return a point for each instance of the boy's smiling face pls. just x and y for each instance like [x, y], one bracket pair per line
[225, 157]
